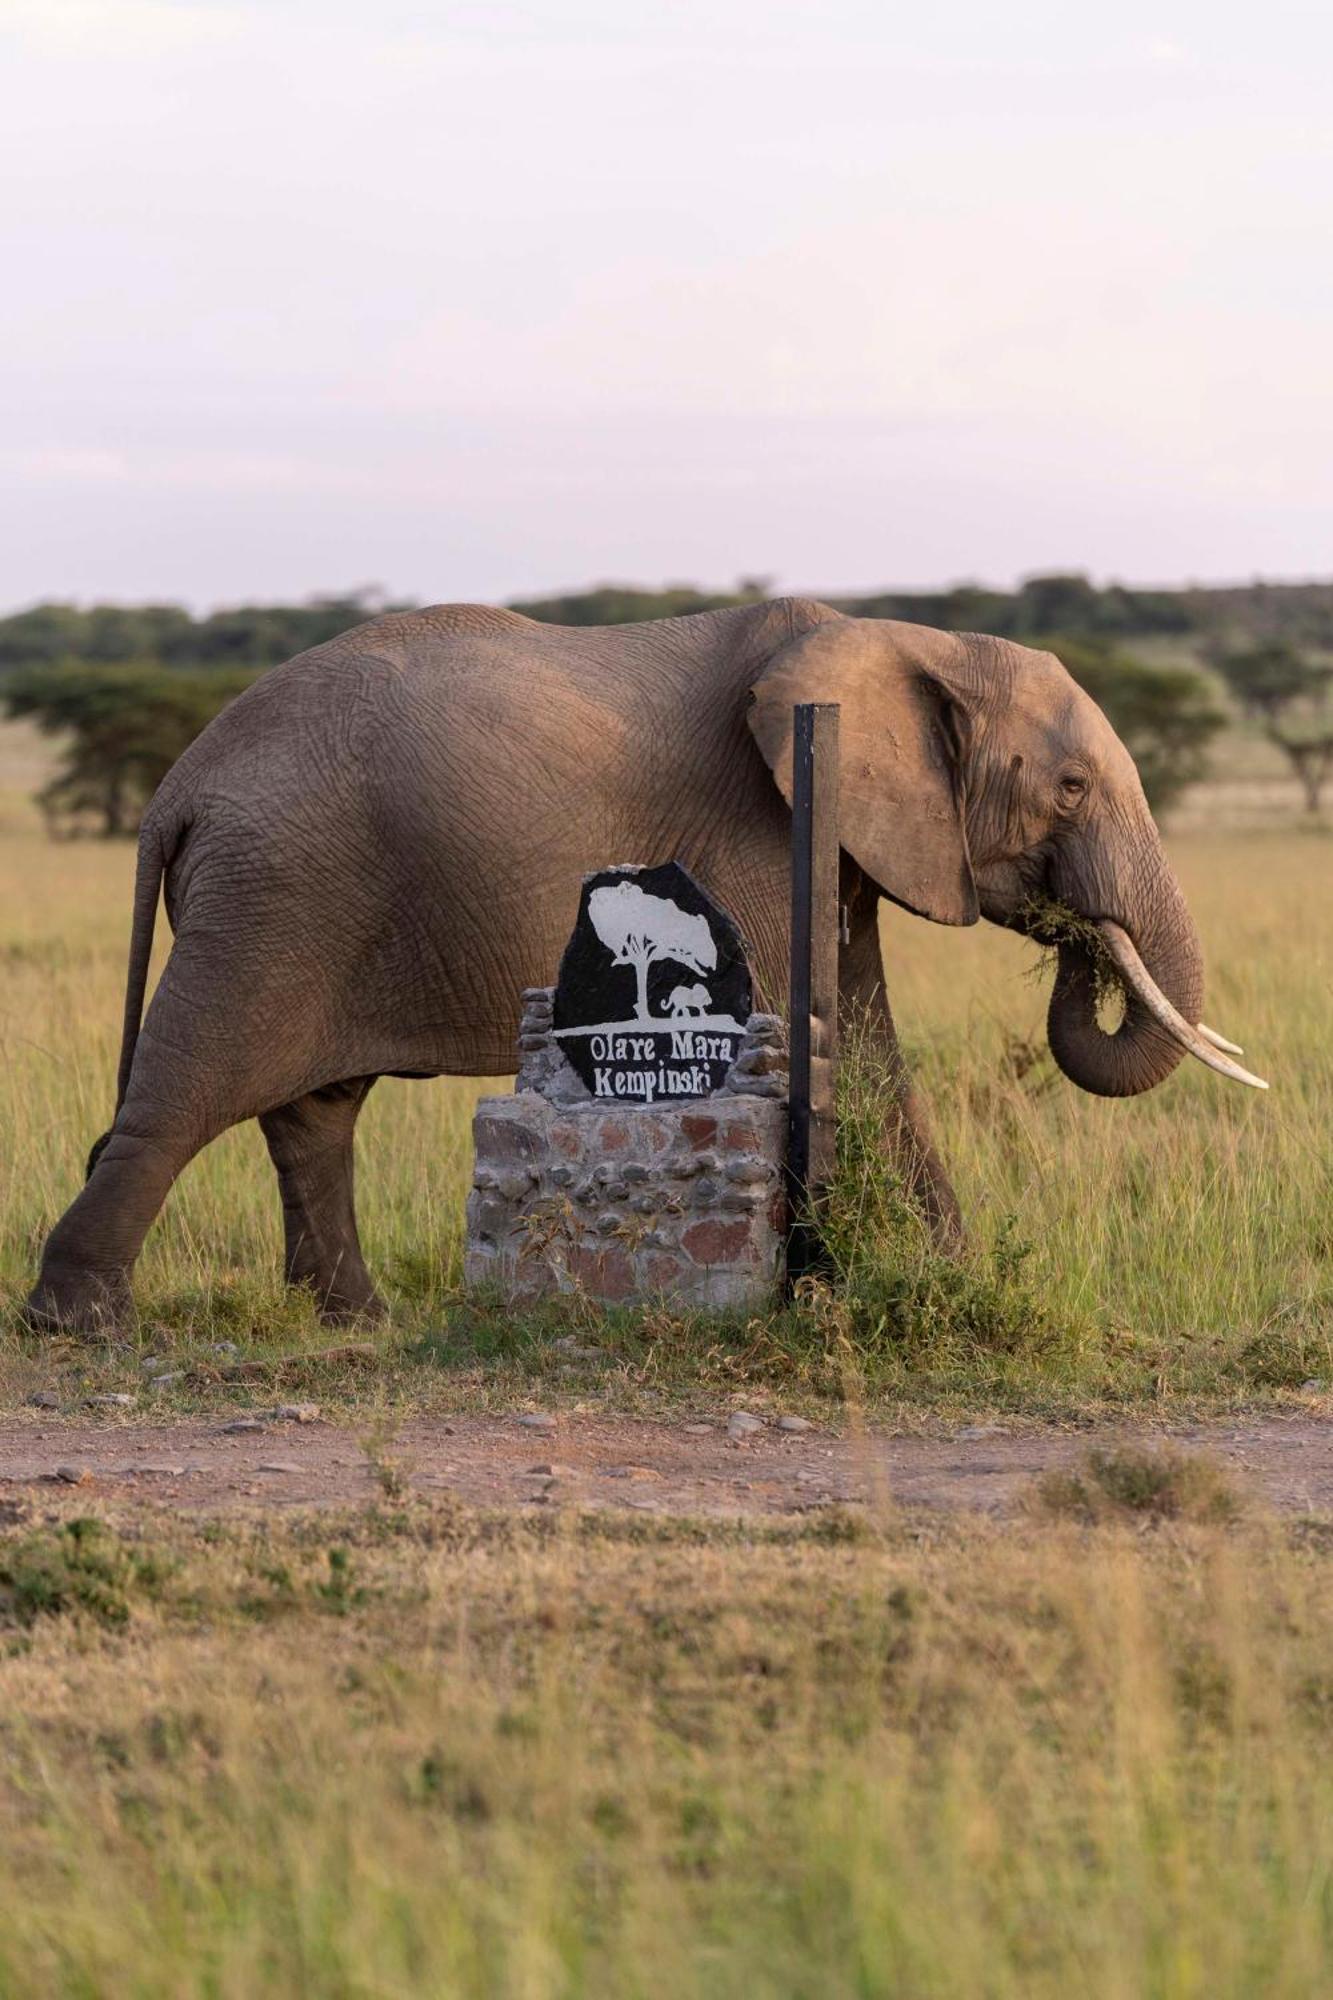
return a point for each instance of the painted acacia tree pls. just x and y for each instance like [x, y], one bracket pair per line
[640, 930]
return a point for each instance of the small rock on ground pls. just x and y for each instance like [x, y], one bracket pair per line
[795, 1426]
[113, 1400]
[297, 1413]
[44, 1399]
[533, 1422]
[72, 1475]
[740, 1424]
[242, 1426]
[577, 1350]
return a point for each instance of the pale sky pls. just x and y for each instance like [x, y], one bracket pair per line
[476, 299]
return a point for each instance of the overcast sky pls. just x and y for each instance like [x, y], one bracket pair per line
[468, 300]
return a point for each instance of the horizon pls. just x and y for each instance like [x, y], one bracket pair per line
[377, 599]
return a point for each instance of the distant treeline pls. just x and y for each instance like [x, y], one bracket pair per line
[125, 689]
[1298, 614]
[114, 635]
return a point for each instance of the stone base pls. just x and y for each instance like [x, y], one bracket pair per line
[681, 1202]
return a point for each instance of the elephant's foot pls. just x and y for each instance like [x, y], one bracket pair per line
[927, 1188]
[944, 1218]
[334, 1312]
[342, 1298]
[88, 1304]
[937, 1205]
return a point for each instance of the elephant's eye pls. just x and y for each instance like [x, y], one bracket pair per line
[1073, 789]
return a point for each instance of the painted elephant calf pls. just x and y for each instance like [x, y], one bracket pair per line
[689, 1000]
[372, 852]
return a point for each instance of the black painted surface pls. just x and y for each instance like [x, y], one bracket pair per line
[654, 987]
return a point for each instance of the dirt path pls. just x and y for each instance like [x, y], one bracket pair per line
[220, 1464]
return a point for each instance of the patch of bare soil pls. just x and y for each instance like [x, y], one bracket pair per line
[684, 1468]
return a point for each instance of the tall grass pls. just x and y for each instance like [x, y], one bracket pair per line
[579, 1759]
[1198, 1218]
[1178, 1240]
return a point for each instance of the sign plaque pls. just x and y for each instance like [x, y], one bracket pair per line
[654, 989]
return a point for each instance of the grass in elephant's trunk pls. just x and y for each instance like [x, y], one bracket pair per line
[1055, 928]
[1115, 997]
[1050, 924]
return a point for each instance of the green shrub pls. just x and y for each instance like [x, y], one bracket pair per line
[1134, 1482]
[121, 727]
[899, 1292]
[80, 1566]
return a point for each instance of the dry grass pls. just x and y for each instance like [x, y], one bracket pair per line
[431, 1753]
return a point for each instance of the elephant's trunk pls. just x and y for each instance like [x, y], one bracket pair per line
[1141, 1050]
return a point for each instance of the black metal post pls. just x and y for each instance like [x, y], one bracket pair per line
[815, 926]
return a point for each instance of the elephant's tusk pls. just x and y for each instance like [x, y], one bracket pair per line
[1220, 1041]
[1140, 982]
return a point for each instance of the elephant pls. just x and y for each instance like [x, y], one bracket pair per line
[689, 1000]
[368, 855]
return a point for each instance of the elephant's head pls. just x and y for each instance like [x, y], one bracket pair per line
[977, 779]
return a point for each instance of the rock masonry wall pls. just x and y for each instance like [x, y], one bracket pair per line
[681, 1201]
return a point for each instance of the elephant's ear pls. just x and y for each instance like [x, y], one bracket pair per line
[900, 730]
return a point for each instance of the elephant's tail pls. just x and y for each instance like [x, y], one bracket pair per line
[147, 886]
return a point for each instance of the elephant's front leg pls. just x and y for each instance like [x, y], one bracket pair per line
[863, 998]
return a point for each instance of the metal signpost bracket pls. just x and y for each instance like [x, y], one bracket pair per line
[816, 927]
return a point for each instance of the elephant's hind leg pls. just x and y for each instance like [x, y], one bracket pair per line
[84, 1283]
[310, 1142]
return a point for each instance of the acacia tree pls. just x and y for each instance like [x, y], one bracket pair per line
[1292, 696]
[122, 729]
[639, 930]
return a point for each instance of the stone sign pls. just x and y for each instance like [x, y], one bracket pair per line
[604, 1173]
[654, 990]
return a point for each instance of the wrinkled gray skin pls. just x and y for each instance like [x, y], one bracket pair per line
[369, 854]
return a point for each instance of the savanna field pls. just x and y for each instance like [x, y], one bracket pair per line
[425, 1749]
[1178, 1243]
